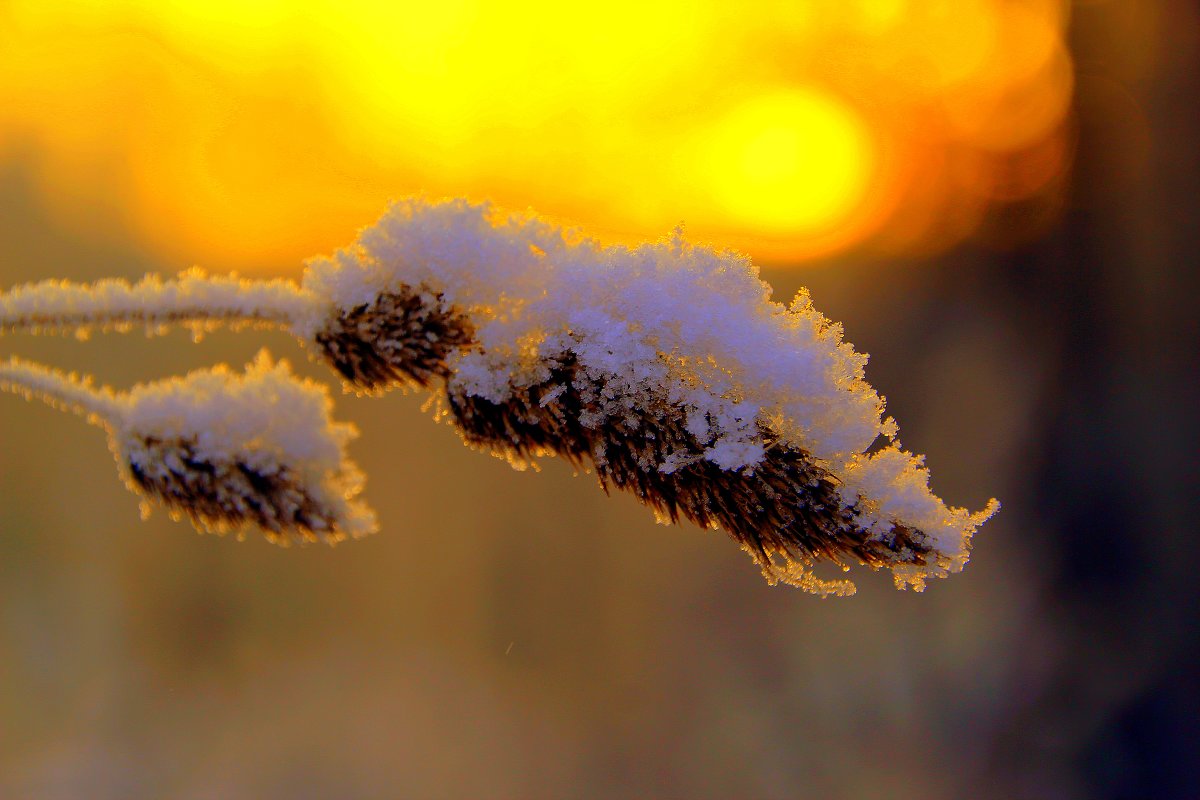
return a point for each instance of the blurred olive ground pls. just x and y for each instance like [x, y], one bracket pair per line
[520, 635]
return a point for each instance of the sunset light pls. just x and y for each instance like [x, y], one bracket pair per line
[788, 163]
[250, 134]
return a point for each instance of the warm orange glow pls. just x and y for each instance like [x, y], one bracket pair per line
[248, 133]
[789, 162]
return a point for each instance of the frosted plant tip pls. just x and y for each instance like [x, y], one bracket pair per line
[406, 335]
[231, 452]
[666, 369]
[253, 450]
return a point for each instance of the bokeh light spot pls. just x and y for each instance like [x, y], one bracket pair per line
[790, 161]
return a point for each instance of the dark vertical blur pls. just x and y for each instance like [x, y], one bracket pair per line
[1115, 286]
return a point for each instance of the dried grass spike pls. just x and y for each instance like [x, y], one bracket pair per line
[788, 512]
[256, 450]
[230, 492]
[398, 337]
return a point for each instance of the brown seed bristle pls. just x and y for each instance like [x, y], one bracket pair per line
[523, 426]
[228, 494]
[787, 506]
[398, 338]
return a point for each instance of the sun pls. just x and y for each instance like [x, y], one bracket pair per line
[792, 162]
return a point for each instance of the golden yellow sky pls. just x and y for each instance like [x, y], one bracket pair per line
[248, 134]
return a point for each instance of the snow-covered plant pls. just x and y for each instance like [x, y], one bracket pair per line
[232, 452]
[666, 369]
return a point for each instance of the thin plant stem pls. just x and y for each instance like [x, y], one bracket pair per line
[193, 299]
[61, 390]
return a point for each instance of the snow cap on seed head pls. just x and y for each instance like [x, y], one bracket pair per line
[232, 451]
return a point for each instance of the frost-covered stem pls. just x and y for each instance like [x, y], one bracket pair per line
[193, 298]
[60, 390]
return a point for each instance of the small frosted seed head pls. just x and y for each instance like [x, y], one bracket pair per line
[231, 452]
[231, 491]
[400, 337]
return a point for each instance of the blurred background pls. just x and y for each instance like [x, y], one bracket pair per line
[998, 198]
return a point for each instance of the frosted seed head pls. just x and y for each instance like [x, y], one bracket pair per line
[692, 319]
[230, 491]
[399, 337]
[232, 452]
[667, 366]
[788, 511]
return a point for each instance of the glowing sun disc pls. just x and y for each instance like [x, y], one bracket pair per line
[790, 162]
